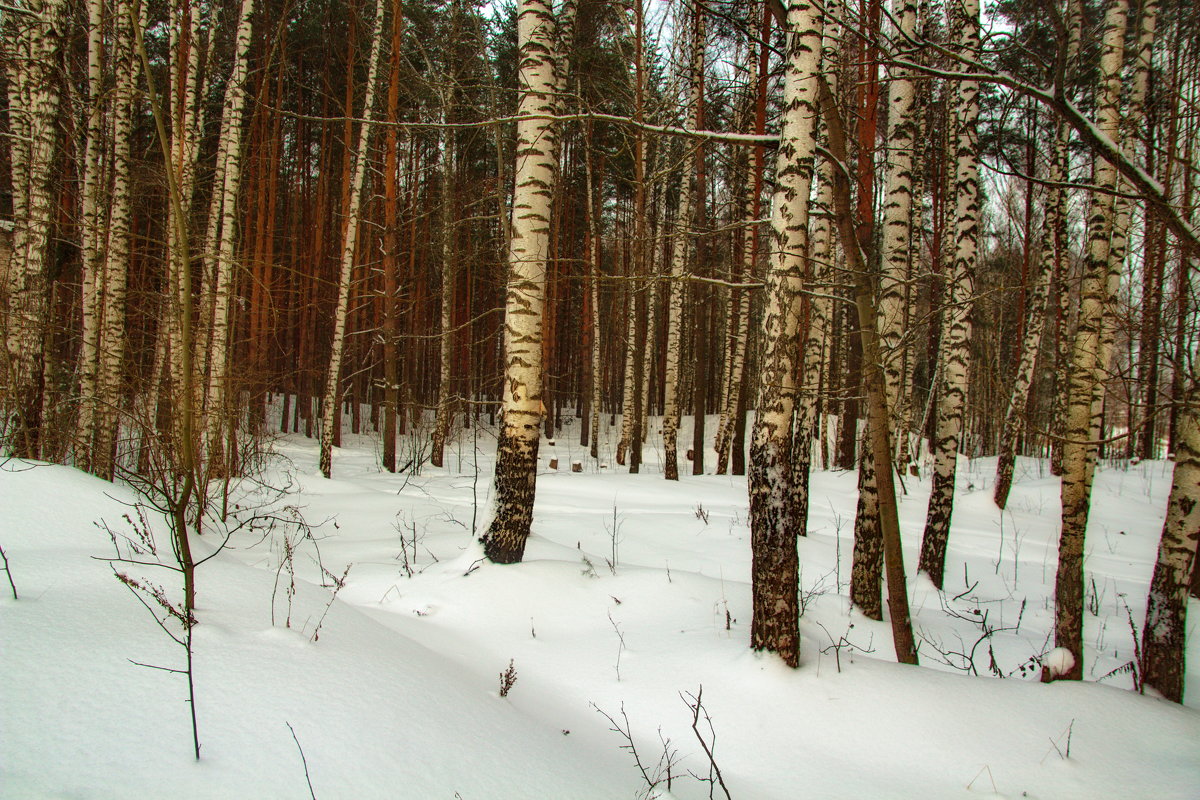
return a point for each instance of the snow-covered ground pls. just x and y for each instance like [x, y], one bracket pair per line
[632, 600]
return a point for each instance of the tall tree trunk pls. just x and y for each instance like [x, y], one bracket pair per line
[877, 410]
[332, 395]
[1015, 415]
[680, 260]
[391, 249]
[116, 262]
[92, 204]
[1078, 455]
[33, 103]
[595, 378]
[630, 442]
[445, 407]
[218, 415]
[1165, 631]
[774, 560]
[537, 144]
[955, 351]
[895, 240]
[1053, 262]
[820, 309]
[752, 205]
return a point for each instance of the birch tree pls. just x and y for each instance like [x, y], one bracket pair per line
[893, 279]
[223, 245]
[955, 352]
[680, 245]
[332, 395]
[114, 277]
[91, 253]
[522, 410]
[1079, 456]
[1052, 265]
[774, 560]
[1165, 632]
[33, 46]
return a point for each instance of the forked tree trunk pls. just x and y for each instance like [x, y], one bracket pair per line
[955, 350]
[331, 398]
[774, 560]
[537, 145]
[895, 241]
[877, 410]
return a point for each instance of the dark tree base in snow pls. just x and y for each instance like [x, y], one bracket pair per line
[516, 480]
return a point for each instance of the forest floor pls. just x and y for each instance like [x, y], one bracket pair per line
[626, 629]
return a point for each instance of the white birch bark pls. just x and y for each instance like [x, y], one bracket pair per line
[1165, 633]
[1051, 268]
[332, 395]
[739, 334]
[680, 260]
[187, 123]
[895, 241]
[533, 190]
[33, 47]
[955, 350]
[1078, 456]
[775, 564]
[217, 415]
[445, 409]
[91, 204]
[114, 279]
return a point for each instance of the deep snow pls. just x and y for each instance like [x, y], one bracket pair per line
[399, 695]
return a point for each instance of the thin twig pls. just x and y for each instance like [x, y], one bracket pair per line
[8, 571]
[303, 760]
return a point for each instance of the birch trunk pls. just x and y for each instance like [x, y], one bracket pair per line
[629, 446]
[332, 396]
[91, 205]
[187, 123]
[1165, 631]
[1018, 400]
[216, 395]
[897, 214]
[752, 209]
[820, 307]
[114, 280]
[33, 47]
[445, 409]
[955, 350]
[895, 240]
[1078, 455]
[537, 144]
[593, 316]
[877, 410]
[775, 564]
[680, 258]
[739, 333]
